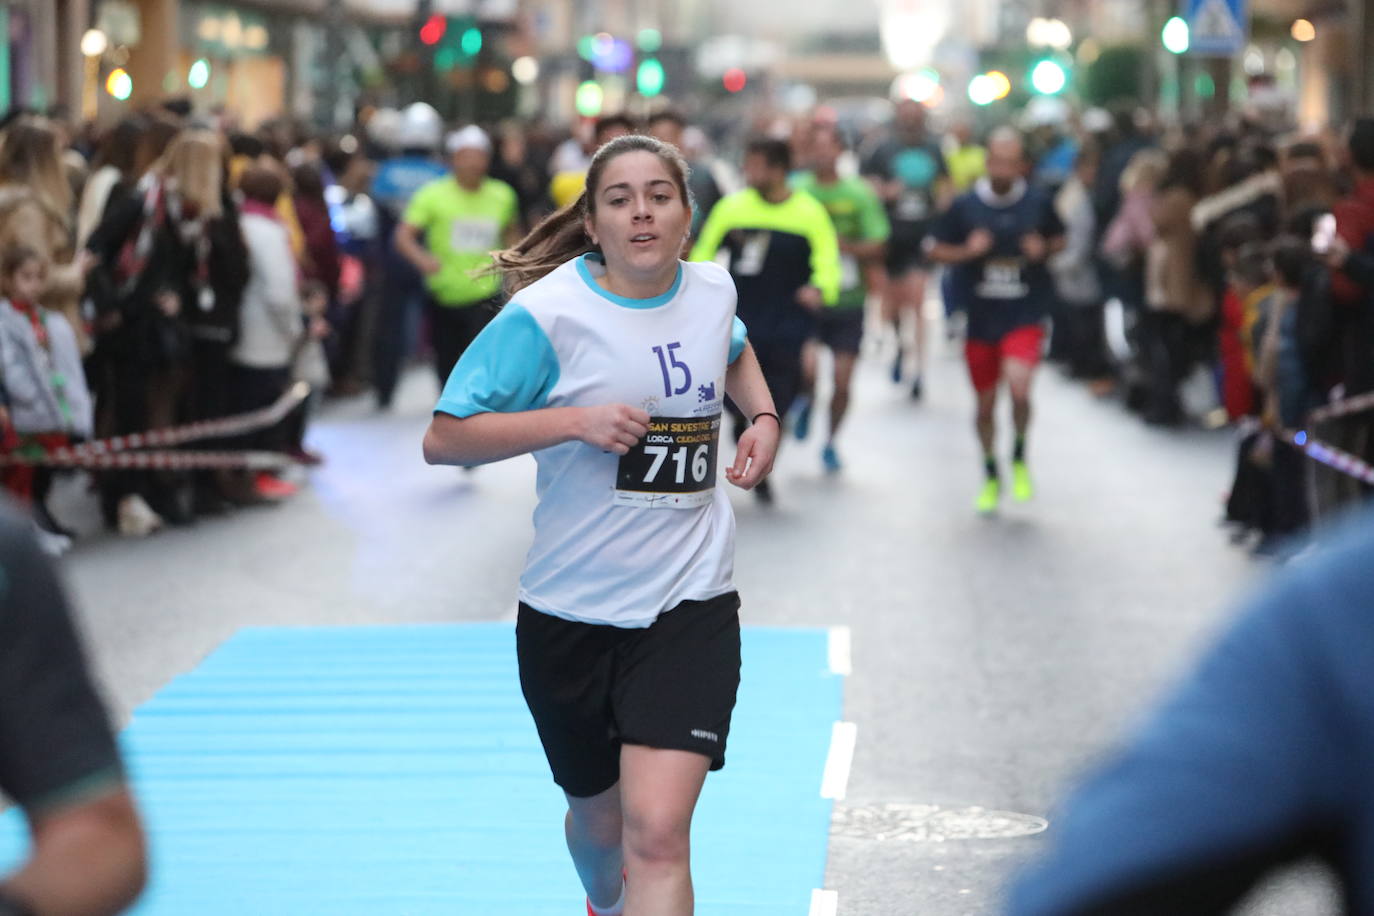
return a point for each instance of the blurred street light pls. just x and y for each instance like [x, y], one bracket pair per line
[1049, 33]
[734, 79]
[94, 43]
[589, 99]
[1001, 84]
[1049, 78]
[433, 30]
[649, 40]
[119, 84]
[919, 86]
[1175, 35]
[1303, 30]
[525, 70]
[472, 41]
[982, 90]
[649, 79]
[199, 75]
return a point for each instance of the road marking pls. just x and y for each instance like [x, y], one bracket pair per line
[835, 780]
[824, 903]
[839, 649]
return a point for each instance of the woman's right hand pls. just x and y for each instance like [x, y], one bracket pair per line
[613, 427]
[168, 303]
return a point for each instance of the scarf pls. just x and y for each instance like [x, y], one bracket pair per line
[162, 208]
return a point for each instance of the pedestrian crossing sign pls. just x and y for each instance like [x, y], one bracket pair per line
[1217, 27]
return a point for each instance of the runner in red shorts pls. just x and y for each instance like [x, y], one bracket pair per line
[996, 238]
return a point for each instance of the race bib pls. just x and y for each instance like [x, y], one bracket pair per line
[673, 467]
[473, 235]
[849, 272]
[1002, 279]
[912, 205]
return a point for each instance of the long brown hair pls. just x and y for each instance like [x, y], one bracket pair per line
[195, 161]
[31, 155]
[563, 235]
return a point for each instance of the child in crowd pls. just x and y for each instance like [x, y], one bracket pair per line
[49, 404]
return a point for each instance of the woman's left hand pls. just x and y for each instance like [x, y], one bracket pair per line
[754, 456]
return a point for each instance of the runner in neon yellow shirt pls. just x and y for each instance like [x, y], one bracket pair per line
[448, 231]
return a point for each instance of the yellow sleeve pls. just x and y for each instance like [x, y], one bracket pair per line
[712, 233]
[825, 253]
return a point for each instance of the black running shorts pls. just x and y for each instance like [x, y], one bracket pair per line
[841, 329]
[592, 688]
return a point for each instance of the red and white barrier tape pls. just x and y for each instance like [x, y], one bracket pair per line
[1358, 403]
[1330, 456]
[165, 460]
[118, 452]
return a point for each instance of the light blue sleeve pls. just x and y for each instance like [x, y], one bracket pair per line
[739, 336]
[509, 368]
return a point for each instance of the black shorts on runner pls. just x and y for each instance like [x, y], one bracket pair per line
[592, 688]
[842, 330]
[906, 251]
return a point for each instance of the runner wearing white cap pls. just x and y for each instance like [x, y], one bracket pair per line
[448, 232]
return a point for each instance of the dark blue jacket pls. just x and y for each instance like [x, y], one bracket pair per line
[1264, 755]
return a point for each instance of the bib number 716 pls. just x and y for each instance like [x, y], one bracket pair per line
[673, 466]
[661, 453]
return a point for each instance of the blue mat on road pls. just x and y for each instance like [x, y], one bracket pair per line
[395, 771]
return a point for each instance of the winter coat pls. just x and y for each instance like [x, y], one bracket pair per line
[1172, 280]
[46, 386]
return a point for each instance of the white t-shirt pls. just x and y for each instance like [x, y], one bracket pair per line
[617, 540]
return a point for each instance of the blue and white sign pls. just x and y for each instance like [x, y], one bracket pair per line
[1217, 27]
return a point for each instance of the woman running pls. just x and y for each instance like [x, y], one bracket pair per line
[611, 364]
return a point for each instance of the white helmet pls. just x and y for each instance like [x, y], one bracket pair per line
[421, 127]
[384, 128]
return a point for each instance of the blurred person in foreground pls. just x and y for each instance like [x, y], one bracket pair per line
[58, 759]
[1260, 758]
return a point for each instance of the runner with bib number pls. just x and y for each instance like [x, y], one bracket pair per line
[463, 217]
[997, 236]
[611, 364]
[782, 252]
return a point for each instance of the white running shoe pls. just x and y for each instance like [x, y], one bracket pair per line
[136, 517]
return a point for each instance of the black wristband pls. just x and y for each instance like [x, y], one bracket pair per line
[11, 905]
[766, 413]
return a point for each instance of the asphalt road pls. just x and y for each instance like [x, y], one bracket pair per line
[993, 659]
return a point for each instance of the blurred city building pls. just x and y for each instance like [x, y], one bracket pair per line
[323, 60]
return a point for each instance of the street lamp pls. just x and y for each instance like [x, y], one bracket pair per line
[93, 47]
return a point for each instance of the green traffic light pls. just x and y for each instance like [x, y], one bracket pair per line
[649, 79]
[472, 41]
[1049, 78]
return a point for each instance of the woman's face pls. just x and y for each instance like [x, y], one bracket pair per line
[640, 219]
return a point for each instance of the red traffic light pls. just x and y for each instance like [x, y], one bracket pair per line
[734, 79]
[433, 29]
